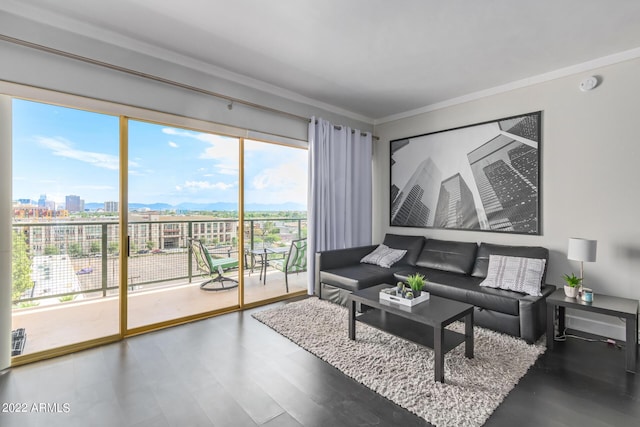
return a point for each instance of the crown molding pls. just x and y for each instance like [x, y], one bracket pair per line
[65, 23]
[518, 84]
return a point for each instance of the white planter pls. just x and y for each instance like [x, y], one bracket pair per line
[571, 292]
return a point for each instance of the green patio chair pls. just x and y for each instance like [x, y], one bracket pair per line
[294, 262]
[213, 267]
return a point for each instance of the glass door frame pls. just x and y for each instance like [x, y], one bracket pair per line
[125, 113]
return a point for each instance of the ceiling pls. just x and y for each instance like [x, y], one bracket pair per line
[376, 59]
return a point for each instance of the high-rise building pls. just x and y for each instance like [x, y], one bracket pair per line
[413, 206]
[456, 208]
[509, 197]
[74, 204]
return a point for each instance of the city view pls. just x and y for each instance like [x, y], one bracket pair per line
[183, 185]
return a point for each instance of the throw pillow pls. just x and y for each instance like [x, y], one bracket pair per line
[515, 274]
[384, 256]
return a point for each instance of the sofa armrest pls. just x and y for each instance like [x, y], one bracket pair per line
[337, 258]
[533, 315]
[326, 260]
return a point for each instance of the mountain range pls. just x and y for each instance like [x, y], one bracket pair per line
[218, 206]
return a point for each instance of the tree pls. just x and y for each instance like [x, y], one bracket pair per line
[150, 244]
[51, 250]
[95, 247]
[272, 238]
[113, 247]
[20, 266]
[74, 249]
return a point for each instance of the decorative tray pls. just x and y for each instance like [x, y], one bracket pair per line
[391, 295]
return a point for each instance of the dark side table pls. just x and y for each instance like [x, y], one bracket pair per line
[604, 304]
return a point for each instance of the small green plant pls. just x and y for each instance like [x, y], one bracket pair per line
[416, 281]
[27, 304]
[572, 281]
[66, 298]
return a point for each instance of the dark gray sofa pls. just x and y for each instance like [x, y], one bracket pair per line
[454, 270]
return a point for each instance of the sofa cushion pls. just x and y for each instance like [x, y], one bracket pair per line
[518, 274]
[384, 256]
[456, 257]
[358, 276]
[464, 288]
[412, 244]
[487, 249]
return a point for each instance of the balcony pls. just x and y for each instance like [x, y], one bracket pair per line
[74, 295]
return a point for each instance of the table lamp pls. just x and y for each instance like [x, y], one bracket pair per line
[582, 250]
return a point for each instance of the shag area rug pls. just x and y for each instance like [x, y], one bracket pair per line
[473, 388]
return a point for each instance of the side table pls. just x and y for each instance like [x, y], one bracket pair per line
[603, 304]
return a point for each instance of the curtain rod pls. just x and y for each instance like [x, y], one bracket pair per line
[339, 127]
[87, 60]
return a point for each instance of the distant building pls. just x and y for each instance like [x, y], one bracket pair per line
[43, 203]
[74, 204]
[111, 206]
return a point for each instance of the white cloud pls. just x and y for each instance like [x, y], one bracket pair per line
[221, 147]
[206, 185]
[227, 169]
[173, 144]
[63, 148]
[285, 183]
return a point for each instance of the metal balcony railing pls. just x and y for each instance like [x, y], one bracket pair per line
[80, 259]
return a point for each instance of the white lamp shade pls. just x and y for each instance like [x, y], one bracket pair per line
[582, 249]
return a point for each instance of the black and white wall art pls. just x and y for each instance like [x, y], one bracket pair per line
[483, 176]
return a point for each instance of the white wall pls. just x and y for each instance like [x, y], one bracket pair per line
[590, 176]
[5, 235]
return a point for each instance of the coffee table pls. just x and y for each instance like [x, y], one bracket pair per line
[423, 323]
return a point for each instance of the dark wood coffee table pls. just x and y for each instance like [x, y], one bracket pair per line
[423, 323]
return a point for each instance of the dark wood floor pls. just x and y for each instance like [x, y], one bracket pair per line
[234, 371]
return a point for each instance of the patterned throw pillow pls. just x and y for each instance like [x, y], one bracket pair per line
[515, 274]
[384, 256]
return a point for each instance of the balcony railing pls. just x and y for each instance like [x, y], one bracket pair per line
[80, 259]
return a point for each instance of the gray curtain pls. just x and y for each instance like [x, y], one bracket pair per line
[340, 185]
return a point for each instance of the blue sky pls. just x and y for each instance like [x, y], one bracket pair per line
[60, 151]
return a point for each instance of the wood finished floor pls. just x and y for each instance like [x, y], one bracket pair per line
[234, 371]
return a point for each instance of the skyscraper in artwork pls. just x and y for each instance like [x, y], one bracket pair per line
[505, 172]
[456, 208]
[416, 203]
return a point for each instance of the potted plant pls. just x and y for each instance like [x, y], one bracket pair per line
[416, 283]
[573, 285]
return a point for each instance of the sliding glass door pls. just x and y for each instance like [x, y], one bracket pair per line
[182, 223]
[275, 220]
[122, 226]
[65, 226]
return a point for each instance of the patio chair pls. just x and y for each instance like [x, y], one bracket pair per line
[213, 267]
[294, 262]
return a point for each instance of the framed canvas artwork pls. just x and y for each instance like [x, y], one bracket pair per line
[482, 177]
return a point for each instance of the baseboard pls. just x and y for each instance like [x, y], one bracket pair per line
[597, 327]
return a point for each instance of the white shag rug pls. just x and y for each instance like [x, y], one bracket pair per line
[473, 388]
